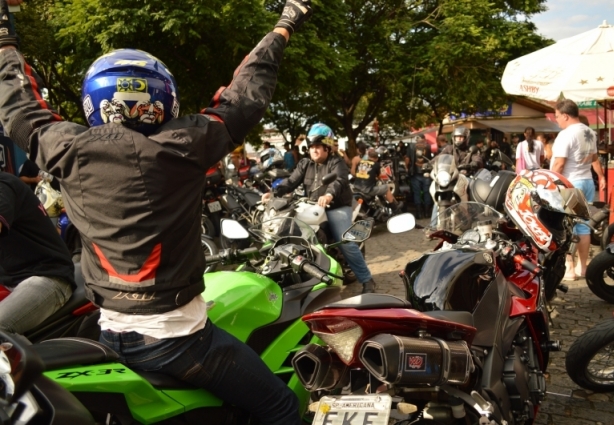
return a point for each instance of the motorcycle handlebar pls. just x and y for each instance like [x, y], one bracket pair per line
[214, 258]
[230, 254]
[315, 272]
[527, 265]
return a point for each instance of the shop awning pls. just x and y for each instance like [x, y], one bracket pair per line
[517, 125]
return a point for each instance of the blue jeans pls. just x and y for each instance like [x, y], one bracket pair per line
[339, 220]
[587, 186]
[32, 301]
[216, 361]
[420, 186]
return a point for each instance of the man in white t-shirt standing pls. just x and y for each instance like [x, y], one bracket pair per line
[573, 153]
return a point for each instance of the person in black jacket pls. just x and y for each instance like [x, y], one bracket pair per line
[337, 196]
[419, 154]
[131, 184]
[36, 262]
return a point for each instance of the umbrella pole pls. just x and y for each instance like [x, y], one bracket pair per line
[607, 146]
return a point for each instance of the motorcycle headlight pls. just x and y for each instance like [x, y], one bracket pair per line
[443, 178]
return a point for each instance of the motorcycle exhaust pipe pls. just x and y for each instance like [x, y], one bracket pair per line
[320, 369]
[411, 361]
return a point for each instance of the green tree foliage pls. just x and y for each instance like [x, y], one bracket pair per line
[460, 54]
[406, 62]
[201, 41]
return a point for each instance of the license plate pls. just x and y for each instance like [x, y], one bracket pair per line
[214, 206]
[372, 409]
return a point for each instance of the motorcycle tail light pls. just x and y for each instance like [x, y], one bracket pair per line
[402, 360]
[320, 369]
[342, 337]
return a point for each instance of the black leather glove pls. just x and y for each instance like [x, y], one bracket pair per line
[294, 14]
[8, 37]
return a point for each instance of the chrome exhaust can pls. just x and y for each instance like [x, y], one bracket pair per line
[402, 360]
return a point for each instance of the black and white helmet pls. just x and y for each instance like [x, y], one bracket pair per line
[460, 136]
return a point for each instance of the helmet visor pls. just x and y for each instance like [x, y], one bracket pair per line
[575, 203]
[568, 201]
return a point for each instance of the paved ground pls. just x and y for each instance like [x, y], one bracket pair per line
[579, 309]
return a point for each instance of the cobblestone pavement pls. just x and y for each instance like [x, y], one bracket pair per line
[578, 310]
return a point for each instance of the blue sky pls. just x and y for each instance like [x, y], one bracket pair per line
[566, 18]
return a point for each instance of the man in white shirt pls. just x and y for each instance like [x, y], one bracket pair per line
[573, 153]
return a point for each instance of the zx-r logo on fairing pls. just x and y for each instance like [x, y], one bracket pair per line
[77, 374]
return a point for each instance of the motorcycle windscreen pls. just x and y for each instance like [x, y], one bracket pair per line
[448, 280]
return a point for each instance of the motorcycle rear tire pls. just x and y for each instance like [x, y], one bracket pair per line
[607, 236]
[207, 225]
[597, 236]
[556, 270]
[601, 264]
[583, 350]
[209, 248]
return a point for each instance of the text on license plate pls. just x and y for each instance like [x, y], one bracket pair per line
[214, 206]
[372, 409]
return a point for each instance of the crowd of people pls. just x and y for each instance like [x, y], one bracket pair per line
[136, 205]
[131, 182]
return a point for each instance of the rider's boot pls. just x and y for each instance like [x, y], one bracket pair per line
[397, 207]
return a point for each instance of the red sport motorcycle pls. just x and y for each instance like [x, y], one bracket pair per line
[470, 342]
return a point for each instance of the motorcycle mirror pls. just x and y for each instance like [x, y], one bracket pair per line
[258, 177]
[359, 231]
[19, 366]
[326, 180]
[329, 178]
[401, 223]
[232, 229]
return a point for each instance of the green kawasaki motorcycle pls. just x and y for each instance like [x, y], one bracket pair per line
[261, 303]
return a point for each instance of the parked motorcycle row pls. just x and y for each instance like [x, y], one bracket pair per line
[468, 344]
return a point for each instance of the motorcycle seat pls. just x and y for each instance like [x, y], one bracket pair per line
[375, 301]
[66, 352]
[371, 302]
[462, 317]
[365, 196]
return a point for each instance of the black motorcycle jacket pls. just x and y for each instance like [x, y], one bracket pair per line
[464, 157]
[136, 199]
[310, 174]
[29, 243]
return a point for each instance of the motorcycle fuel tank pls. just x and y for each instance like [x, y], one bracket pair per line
[448, 279]
[240, 302]
[311, 214]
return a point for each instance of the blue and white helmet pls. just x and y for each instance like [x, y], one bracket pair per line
[129, 87]
[320, 134]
